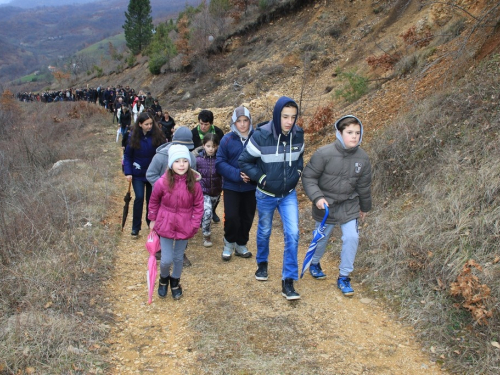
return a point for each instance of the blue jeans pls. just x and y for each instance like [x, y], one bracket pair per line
[139, 187]
[288, 209]
[350, 241]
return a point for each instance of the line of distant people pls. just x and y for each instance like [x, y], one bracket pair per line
[105, 96]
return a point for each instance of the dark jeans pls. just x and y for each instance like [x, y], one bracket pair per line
[139, 187]
[239, 211]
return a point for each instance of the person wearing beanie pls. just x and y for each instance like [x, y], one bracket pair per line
[159, 164]
[175, 211]
[177, 151]
[274, 159]
[339, 176]
[239, 190]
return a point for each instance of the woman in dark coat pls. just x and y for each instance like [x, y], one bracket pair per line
[144, 138]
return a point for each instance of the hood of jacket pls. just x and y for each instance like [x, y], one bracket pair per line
[278, 107]
[339, 135]
[241, 111]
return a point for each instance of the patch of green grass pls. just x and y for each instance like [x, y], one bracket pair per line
[101, 48]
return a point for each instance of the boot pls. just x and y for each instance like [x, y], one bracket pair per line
[163, 286]
[207, 241]
[215, 218]
[176, 288]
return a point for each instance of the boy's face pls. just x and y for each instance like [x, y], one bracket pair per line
[242, 124]
[351, 135]
[204, 126]
[288, 116]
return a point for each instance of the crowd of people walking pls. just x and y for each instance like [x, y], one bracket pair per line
[180, 174]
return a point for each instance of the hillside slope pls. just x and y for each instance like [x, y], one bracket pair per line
[299, 55]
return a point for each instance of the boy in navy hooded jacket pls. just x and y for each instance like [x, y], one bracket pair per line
[274, 159]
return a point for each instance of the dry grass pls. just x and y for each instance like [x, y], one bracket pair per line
[437, 178]
[55, 244]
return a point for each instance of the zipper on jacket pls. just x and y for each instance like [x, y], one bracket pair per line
[284, 167]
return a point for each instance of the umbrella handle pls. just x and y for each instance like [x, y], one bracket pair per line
[326, 215]
[129, 184]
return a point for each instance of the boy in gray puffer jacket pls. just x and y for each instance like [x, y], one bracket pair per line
[339, 176]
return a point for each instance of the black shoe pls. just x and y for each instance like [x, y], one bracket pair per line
[288, 291]
[134, 233]
[186, 262]
[261, 273]
[163, 286]
[176, 288]
[215, 218]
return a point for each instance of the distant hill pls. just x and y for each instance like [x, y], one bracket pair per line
[43, 3]
[32, 38]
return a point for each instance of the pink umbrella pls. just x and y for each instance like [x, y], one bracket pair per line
[152, 246]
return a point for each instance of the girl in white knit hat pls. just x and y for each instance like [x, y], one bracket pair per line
[175, 211]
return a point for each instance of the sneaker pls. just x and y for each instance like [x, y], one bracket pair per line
[344, 284]
[242, 251]
[228, 250]
[288, 291]
[215, 218]
[261, 273]
[316, 271]
[207, 242]
[186, 262]
[134, 234]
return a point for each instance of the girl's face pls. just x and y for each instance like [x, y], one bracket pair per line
[146, 126]
[210, 148]
[180, 166]
[351, 135]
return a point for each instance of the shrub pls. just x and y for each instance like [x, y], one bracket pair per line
[406, 65]
[335, 31]
[355, 86]
[131, 60]
[323, 116]
[417, 39]
[156, 62]
[385, 61]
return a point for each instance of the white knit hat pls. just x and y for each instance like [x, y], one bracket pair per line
[176, 152]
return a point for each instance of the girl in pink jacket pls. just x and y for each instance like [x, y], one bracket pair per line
[175, 211]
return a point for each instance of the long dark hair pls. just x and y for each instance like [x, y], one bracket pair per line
[136, 134]
[211, 137]
[190, 179]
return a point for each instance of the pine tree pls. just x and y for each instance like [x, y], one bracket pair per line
[138, 25]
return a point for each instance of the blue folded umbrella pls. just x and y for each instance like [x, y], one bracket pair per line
[318, 234]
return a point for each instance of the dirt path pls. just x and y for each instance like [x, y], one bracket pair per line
[229, 323]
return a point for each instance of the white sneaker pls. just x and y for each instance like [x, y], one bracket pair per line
[207, 241]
